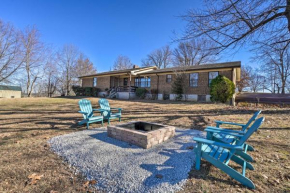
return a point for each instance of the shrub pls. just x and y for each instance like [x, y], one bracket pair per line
[177, 86]
[154, 94]
[166, 96]
[141, 93]
[85, 91]
[88, 91]
[221, 89]
[95, 91]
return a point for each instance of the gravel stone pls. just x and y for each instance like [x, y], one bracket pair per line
[120, 167]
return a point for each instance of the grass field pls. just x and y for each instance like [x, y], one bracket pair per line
[26, 125]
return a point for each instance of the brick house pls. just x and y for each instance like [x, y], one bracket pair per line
[123, 83]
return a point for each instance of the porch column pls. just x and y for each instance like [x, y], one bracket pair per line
[130, 87]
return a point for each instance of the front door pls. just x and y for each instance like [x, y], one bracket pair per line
[125, 81]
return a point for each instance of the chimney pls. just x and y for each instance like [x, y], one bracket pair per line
[135, 66]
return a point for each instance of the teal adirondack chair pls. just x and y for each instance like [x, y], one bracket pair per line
[224, 137]
[106, 111]
[220, 154]
[88, 113]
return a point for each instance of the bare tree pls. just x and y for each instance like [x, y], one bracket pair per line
[67, 60]
[256, 81]
[276, 59]
[234, 23]
[84, 66]
[122, 63]
[244, 82]
[194, 52]
[10, 51]
[160, 58]
[51, 77]
[33, 50]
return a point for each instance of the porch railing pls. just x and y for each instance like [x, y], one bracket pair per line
[126, 89]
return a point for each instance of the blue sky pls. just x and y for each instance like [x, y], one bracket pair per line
[104, 29]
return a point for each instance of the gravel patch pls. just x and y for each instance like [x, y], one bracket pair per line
[120, 167]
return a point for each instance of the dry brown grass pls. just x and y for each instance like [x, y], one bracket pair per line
[27, 124]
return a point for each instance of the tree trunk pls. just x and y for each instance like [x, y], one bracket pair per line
[287, 14]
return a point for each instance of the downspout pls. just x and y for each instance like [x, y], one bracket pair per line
[157, 86]
[234, 79]
[130, 87]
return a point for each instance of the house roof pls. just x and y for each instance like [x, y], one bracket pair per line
[236, 64]
[117, 72]
[7, 87]
[154, 70]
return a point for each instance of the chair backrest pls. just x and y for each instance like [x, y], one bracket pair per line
[251, 130]
[253, 118]
[104, 104]
[86, 106]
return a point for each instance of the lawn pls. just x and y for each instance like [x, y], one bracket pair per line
[26, 125]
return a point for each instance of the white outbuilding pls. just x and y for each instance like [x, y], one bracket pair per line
[7, 91]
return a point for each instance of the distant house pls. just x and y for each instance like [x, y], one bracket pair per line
[125, 82]
[10, 91]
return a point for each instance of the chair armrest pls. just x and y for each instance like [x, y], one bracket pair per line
[225, 133]
[226, 130]
[117, 108]
[82, 112]
[210, 142]
[101, 110]
[229, 123]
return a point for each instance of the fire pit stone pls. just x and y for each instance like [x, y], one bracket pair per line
[143, 134]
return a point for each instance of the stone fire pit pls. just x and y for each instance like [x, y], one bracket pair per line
[143, 134]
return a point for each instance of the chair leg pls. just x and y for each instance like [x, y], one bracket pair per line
[250, 148]
[120, 119]
[102, 123]
[109, 121]
[230, 171]
[241, 162]
[88, 125]
[244, 155]
[198, 156]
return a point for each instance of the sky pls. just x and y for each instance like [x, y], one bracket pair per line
[104, 29]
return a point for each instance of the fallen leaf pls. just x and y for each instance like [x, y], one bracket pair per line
[93, 182]
[265, 176]
[34, 178]
[277, 180]
[86, 183]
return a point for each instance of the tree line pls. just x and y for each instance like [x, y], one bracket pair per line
[36, 66]
[219, 27]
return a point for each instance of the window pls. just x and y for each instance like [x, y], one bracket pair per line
[125, 81]
[193, 79]
[212, 75]
[168, 78]
[143, 82]
[95, 82]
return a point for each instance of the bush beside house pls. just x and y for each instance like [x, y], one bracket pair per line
[222, 89]
[85, 91]
[141, 93]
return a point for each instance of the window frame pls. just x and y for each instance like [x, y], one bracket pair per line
[195, 80]
[167, 78]
[146, 83]
[209, 80]
[95, 81]
[125, 80]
